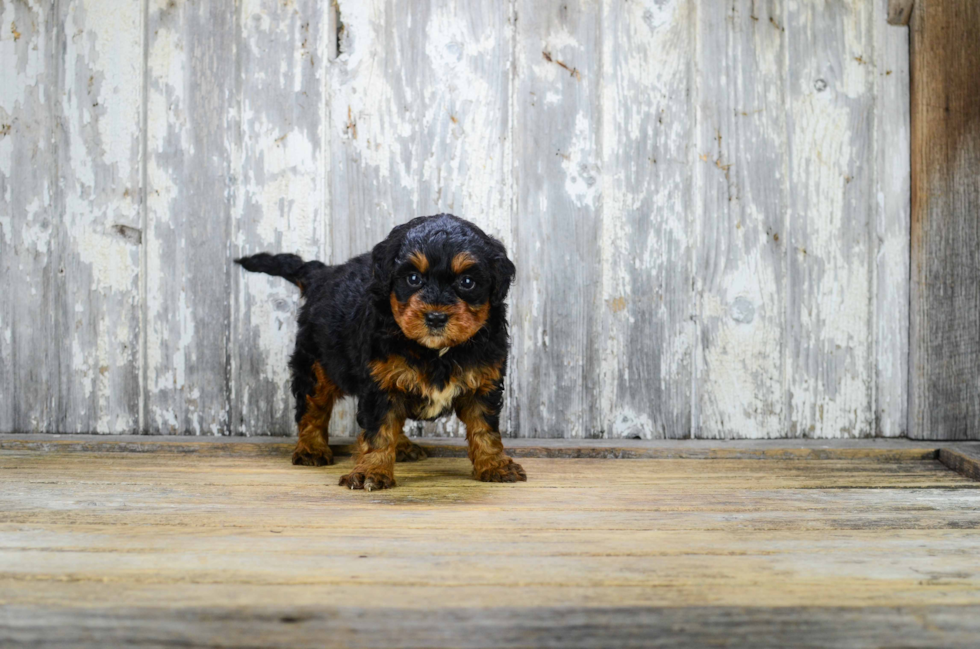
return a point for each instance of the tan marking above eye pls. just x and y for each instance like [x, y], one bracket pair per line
[462, 261]
[420, 261]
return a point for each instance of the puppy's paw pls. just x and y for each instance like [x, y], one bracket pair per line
[307, 457]
[367, 481]
[510, 472]
[409, 452]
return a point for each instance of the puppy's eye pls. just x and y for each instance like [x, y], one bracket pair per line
[467, 283]
[414, 279]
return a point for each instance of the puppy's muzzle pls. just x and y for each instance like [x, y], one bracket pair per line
[436, 319]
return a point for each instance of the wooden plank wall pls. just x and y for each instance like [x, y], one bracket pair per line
[708, 204]
[945, 365]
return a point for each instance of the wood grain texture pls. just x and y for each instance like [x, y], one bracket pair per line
[743, 198]
[645, 299]
[32, 240]
[463, 79]
[173, 534]
[962, 458]
[945, 289]
[71, 224]
[829, 239]
[893, 195]
[420, 105]
[99, 177]
[280, 625]
[373, 137]
[191, 130]
[280, 198]
[558, 191]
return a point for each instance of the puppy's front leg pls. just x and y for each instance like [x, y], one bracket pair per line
[374, 467]
[481, 415]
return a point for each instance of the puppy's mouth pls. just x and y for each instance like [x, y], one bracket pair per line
[438, 327]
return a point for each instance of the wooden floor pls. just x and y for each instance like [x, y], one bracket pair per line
[239, 548]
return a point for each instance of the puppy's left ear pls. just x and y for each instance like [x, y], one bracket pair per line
[503, 273]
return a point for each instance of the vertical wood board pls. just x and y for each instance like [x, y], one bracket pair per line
[893, 202]
[463, 78]
[742, 202]
[191, 130]
[645, 299]
[829, 237]
[280, 199]
[31, 234]
[945, 284]
[558, 193]
[101, 88]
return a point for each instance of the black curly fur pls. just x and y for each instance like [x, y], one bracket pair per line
[291, 267]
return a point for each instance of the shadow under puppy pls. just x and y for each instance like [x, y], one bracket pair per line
[416, 328]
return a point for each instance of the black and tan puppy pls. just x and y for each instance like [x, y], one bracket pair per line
[417, 328]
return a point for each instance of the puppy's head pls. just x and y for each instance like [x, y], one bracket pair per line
[440, 276]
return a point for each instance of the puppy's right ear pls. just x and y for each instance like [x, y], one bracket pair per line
[383, 257]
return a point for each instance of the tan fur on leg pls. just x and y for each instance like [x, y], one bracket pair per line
[311, 447]
[374, 467]
[486, 450]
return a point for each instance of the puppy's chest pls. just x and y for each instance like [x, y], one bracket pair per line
[430, 391]
[432, 402]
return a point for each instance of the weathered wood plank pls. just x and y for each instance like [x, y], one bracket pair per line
[829, 238]
[463, 73]
[742, 188]
[645, 303]
[419, 123]
[101, 88]
[962, 458]
[893, 200]
[373, 135]
[570, 627]
[170, 531]
[558, 185]
[281, 202]
[192, 131]
[31, 230]
[945, 288]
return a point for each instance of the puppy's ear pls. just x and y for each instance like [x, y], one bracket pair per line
[503, 272]
[383, 257]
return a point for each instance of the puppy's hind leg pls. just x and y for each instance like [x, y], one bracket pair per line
[315, 398]
[406, 450]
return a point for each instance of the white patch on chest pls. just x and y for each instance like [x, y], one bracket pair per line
[440, 400]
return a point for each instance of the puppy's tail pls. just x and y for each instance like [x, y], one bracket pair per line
[291, 267]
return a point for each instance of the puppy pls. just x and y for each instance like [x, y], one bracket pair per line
[417, 328]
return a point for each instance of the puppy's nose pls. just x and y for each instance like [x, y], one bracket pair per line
[436, 319]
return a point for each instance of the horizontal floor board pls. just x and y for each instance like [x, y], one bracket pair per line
[156, 545]
[510, 627]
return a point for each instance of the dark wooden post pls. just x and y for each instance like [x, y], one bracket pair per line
[945, 289]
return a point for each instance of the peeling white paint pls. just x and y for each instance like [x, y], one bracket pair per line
[709, 242]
